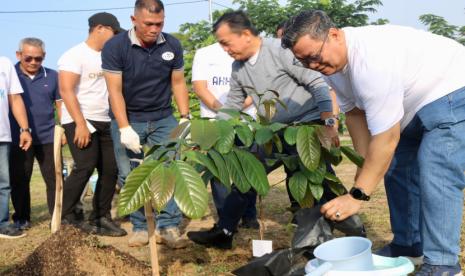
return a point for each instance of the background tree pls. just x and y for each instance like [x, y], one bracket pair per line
[438, 25]
[267, 14]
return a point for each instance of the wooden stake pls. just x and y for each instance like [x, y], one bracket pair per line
[152, 239]
[56, 217]
[260, 217]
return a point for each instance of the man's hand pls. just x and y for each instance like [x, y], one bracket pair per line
[332, 134]
[63, 140]
[130, 139]
[341, 207]
[183, 120]
[81, 136]
[25, 140]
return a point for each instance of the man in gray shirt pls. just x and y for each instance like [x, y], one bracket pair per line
[264, 65]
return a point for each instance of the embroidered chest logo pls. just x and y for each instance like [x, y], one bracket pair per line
[167, 56]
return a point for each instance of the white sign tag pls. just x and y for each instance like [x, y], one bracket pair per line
[261, 247]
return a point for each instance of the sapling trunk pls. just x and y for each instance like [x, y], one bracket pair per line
[260, 217]
[152, 239]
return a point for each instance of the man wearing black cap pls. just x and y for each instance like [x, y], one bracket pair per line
[87, 127]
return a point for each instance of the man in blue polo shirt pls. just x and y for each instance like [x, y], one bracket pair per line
[40, 95]
[143, 68]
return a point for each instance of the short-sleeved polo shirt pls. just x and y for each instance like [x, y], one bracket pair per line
[146, 73]
[40, 94]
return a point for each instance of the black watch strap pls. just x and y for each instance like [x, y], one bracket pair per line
[359, 194]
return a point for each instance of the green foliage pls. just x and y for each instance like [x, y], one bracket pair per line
[308, 147]
[438, 25]
[190, 192]
[353, 156]
[267, 14]
[254, 171]
[136, 190]
[205, 133]
[298, 186]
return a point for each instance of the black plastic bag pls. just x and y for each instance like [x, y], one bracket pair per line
[312, 230]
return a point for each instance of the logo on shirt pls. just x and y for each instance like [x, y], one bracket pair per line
[167, 56]
[2, 94]
[220, 80]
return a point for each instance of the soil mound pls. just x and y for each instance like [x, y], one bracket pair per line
[72, 252]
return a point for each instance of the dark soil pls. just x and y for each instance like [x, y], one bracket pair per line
[72, 252]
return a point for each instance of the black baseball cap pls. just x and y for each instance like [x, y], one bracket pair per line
[105, 19]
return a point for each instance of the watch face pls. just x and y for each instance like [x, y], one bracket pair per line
[330, 122]
[357, 194]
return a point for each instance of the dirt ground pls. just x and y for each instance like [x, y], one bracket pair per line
[74, 253]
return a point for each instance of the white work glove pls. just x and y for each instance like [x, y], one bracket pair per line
[130, 139]
[183, 120]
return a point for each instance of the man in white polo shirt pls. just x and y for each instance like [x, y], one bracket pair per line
[403, 92]
[10, 99]
[211, 75]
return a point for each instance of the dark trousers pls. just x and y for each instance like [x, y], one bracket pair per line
[21, 166]
[98, 155]
[236, 202]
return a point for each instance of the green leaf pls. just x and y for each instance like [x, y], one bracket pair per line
[254, 171]
[270, 162]
[333, 155]
[223, 175]
[278, 143]
[202, 159]
[316, 176]
[291, 162]
[234, 113]
[245, 134]
[308, 147]
[335, 184]
[298, 186]
[308, 201]
[317, 190]
[263, 135]
[136, 191]
[204, 133]
[256, 125]
[353, 156]
[152, 149]
[207, 176]
[162, 186]
[235, 171]
[226, 140]
[190, 192]
[268, 147]
[277, 126]
[290, 135]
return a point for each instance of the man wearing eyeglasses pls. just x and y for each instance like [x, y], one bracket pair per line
[403, 91]
[86, 122]
[41, 95]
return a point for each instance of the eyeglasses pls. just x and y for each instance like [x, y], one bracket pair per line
[314, 58]
[29, 59]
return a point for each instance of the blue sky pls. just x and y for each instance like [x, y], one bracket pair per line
[62, 30]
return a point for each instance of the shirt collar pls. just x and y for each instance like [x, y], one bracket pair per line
[135, 41]
[20, 72]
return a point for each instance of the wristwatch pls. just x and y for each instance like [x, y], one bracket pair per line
[331, 121]
[21, 130]
[359, 194]
[185, 116]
